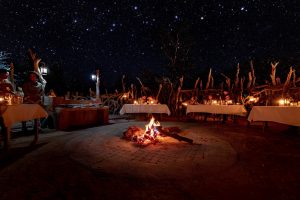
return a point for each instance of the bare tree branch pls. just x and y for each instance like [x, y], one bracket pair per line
[227, 80]
[158, 93]
[237, 75]
[208, 79]
[253, 74]
[123, 84]
[288, 78]
[273, 73]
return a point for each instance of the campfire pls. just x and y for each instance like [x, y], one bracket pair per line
[153, 133]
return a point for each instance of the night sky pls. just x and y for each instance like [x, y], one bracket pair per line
[125, 37]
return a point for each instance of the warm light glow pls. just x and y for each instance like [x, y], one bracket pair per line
[1, 99]
[93, 77]
[287, 102]
[251, 99]
[151, 102]
[229, 101]
[44, 70]
[135, 102]
[284, 102]
[8, 99]
[124, 96]
[215, 102]
[185, 104]
[281, 102]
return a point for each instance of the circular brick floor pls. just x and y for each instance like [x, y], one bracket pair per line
[104, 149]
[226, 161]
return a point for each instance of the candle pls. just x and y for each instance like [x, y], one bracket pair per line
[281, 102]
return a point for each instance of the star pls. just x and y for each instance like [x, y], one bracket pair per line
[133, 32]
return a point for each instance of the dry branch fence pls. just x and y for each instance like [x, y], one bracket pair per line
[240, 90]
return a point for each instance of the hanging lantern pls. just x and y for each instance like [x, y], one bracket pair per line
[44, 70]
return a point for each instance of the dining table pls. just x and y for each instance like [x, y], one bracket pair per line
[235, 109]
[289, 115]
[11, 114]
[145, 108]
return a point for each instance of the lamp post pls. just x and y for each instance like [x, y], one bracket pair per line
[97, 84]
[96, 78]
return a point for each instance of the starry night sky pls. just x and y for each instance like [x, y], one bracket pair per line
[124, 37]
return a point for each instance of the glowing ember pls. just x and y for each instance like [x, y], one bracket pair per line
[153, 133]
[150, 134]
[144, 137]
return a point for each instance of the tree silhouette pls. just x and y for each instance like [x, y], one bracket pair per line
[177, 46]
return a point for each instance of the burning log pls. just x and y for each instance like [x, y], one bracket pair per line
[152, 132]
[173, 132]
[132, 133]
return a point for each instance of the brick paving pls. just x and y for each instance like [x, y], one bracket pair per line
[169, 157]
[229, 161]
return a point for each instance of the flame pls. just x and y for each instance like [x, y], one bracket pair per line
[150, 133]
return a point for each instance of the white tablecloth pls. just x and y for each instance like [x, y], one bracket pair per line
[289, 115]
[145, 108]
[21, 112]
[217, 109]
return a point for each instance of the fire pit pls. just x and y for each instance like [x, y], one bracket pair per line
[153, 133]
[103, 149]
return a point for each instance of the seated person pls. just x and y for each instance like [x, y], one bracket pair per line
[51, 93]
[5, 85]
[193, 101]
